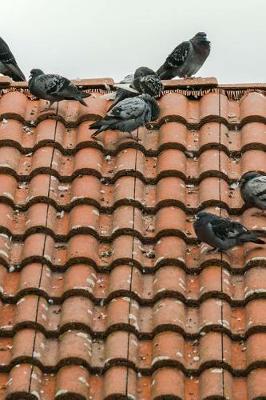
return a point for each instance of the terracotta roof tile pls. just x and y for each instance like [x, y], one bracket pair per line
[104, 291]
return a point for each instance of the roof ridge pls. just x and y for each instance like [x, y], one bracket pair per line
[105, 82]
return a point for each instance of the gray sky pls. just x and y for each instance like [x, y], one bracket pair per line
[111, 38]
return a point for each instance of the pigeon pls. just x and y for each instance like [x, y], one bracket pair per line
[144, 80]
[147, 81]
[223, 233]
[54, 87]
[128, 115]
[187, 58]
[8, 64]
[253, 189]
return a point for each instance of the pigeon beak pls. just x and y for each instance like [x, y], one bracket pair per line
[205, 39]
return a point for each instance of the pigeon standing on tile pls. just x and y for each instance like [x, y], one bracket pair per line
[128, 115]
[253, 189]
[223, 233]
[144, 81]
[8, 64]
[187, 58]
[54, 88]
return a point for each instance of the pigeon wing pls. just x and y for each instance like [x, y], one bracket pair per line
[128, 108]
[178, 55]
[224, 228]
[5, 54]
[54, 84]
[258, 187]
[15, 72]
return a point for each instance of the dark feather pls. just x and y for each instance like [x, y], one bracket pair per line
[8, 64]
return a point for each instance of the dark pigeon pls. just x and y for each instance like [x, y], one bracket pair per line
[253, 189]
[223, 233]
[147, 81]
[187, 58]
[144, 81]
[54, 88]
[128, 115]
[8, 64]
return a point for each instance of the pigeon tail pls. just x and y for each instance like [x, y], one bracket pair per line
[85, 95]
[259, 232]
[82, 102]
[258, 241]
[17, 74]
[97, 125]
[251, 237]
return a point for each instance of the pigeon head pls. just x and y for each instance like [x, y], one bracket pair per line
[143, 71]
[155, 110]
[199, 38]
[151, 85]
[36, 72]
[203, 215]
[247, 177]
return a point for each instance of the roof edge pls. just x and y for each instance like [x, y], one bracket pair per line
[108, 83]
[99, 83]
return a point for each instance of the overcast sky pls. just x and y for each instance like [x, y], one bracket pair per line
[111, 38]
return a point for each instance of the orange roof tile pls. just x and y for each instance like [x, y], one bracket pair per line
[104, 291]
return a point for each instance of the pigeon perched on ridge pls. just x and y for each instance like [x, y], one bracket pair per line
[253, 189]
[128, 115]
[147, 81]
[8, 64]
[187, 58]
[144, 80]
[54, 88]
[223, 233]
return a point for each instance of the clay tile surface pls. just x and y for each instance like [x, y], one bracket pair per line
[105, 293]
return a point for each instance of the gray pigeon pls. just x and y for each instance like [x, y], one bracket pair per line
[223, 233]
[187, 58]
[128, 115]
[144, 80]
[54, 87]
[253, 189]
[8, 64]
